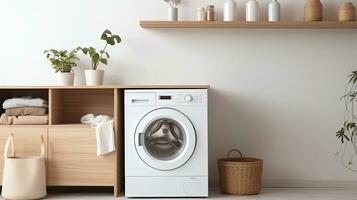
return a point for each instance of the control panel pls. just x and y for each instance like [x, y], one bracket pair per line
[166, 97]
[182, 97]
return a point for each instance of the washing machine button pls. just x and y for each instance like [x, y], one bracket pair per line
[188, 98]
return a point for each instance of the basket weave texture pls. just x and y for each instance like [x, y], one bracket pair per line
[240, 175]
[313, 10]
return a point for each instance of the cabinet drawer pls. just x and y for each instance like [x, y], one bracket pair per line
[27, 141]
[73, 161]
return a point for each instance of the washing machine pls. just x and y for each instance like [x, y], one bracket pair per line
[166, 143]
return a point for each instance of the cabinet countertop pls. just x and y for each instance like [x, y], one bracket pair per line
[108, 87]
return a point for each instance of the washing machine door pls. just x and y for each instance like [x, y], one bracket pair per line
[165, 139]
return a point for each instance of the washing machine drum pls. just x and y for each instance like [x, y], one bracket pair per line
[165, 139]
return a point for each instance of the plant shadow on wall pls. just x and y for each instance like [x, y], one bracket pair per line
[348, 133]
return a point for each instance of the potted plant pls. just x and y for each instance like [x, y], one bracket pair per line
[94, 76]
[173, 10]
[63, 62]
[347, 134]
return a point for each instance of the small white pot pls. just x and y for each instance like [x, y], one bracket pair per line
[94, 77]
[65, 78]
[173, 14]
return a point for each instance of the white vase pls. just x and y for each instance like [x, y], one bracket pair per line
[94, 77]
[252, 11]
[274, 11]
[230, 10]
[173, 14]
[201, 14]
[65, 78]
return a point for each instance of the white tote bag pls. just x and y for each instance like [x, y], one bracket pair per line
[24, 177]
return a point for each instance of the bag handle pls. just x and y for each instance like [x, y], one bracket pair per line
[234, 150]
[9, 141]
[42, 154]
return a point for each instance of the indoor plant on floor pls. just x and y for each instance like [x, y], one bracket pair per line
[348, 132]
[63, 62]
[94, 76]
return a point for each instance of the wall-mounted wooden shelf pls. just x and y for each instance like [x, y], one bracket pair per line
[249, 25]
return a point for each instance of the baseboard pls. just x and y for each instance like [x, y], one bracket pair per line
[277, 183]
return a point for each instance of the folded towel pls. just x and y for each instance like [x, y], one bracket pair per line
[23, 120]
[104, 132]
[30, 120]
[24, 101]
[24, 111]
[5, 120]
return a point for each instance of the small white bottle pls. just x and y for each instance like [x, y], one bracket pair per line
[230, 10]
[201, 14]
[274, 11]
[252, 11]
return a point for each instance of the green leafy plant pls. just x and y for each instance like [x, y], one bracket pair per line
[347, 134]
[62, 61]
[102, 55]
[173, 3]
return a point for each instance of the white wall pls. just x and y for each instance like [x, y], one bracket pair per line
[275, 93]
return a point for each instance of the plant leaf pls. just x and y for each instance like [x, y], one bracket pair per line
[111, 41]
[104, 61]
[104, 37]
[95, 58]
[117, 38]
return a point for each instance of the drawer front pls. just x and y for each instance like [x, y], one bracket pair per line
[73, 161]
[27, 141]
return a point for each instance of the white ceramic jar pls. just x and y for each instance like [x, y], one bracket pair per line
[252, 11]
[173, 14]
[230, 10]
[201, 14]
[274, 11]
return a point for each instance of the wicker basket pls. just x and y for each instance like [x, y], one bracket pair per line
[240, 175]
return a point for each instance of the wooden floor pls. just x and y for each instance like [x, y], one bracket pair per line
[267, 194]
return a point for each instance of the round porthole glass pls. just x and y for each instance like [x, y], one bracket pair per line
[164, 139]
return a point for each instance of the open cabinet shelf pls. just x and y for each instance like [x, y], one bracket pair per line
[69, 105]
[249, 25]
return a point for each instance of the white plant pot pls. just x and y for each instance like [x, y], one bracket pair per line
[173, 14]
[94, 77]
[65, 78]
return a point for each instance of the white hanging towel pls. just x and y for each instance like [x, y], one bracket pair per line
[104, 132]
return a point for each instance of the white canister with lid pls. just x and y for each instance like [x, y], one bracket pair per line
[274, 11]
[252, 11]
[201, 14]
[230, 10]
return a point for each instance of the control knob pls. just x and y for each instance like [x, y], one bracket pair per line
[188, 98]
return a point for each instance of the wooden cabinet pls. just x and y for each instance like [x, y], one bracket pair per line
[23, 136]
[72, 158]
